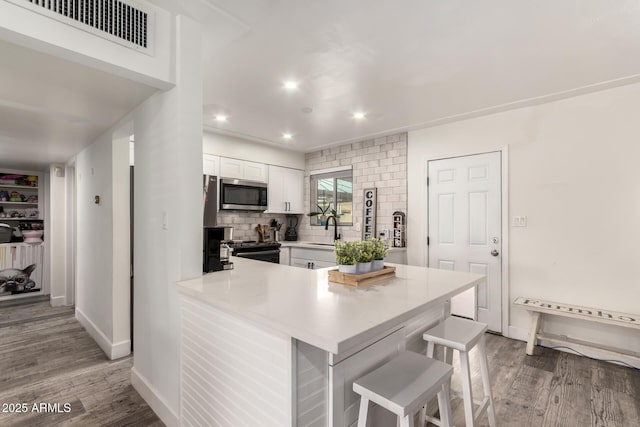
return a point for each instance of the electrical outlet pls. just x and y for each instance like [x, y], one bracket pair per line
[519, 221]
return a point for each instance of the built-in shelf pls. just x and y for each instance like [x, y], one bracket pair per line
[25, 187]
[19, 203]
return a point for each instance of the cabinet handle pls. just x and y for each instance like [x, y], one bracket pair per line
[313, 265]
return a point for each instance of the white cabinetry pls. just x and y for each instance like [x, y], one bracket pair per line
[285, 256]
[210, 165]
[312, 258]
[242, 169]
[286, 192]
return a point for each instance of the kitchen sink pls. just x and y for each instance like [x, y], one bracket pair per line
[322, 244]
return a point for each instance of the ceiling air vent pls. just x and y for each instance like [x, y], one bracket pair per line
[126, 23]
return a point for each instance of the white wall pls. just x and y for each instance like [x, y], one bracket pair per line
[94, 237]
[238, 148]
[168, 222]
[55, 236]
[121, 242]
[102, 260]
[24, 27]
[573, 172]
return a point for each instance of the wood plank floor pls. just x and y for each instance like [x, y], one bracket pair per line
[553, 388]
[47, 357]
[51, 359]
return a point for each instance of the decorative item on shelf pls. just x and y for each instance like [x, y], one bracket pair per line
[16, 197]
[32, 236]
[4, 196]
[32, 199]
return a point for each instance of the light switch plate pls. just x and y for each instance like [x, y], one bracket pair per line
[519, 221]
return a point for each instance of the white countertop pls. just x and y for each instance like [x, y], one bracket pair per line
[315, 245]
[303, 304]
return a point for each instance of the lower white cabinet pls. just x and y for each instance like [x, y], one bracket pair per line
[285, 256]
[312, 258]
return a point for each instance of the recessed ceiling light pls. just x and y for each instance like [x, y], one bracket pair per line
[291, 85]
[221, 118]
[287, 136]
[359, 115]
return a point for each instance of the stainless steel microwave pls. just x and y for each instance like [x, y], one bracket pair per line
[241, 195]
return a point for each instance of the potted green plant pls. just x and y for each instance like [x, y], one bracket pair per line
[365, 257]
[322, 212]
[347, 254]
[380, 250]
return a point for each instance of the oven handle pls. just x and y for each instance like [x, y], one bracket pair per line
[247, 254]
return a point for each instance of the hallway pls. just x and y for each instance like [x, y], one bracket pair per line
[47, 357]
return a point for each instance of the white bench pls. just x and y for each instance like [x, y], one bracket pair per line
[538, 307]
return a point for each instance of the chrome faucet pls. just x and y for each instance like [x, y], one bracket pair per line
[336, 236]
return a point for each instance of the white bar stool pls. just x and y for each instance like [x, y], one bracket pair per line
[402, 385]
[462, 335]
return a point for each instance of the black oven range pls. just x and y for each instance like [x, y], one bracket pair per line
[261, 251]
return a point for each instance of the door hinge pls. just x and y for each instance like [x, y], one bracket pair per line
[427, 181]
[428, 240]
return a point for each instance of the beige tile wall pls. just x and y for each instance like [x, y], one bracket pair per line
[380, 163]
[244, 223]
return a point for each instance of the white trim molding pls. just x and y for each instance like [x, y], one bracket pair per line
[153, 399]
[112, 350]
[58, 301]
[330, 170]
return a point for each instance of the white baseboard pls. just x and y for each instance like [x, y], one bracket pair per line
[120, 349]
[113, 351]
[153, 399]
[522, 334]
[57, 301]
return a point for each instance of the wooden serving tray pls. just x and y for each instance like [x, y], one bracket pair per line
[362, 279]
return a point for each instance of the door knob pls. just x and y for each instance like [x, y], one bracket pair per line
[495, 252]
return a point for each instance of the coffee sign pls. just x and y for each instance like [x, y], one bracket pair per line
[369, 213]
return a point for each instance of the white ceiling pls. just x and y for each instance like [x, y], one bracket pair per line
[51, 108]
[407, 64]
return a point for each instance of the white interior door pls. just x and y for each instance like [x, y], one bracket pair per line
[465, 229]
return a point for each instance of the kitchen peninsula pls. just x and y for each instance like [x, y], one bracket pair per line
[274, 345]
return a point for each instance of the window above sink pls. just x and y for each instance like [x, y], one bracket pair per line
[332, 190]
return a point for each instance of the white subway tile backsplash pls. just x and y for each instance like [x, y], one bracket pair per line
[379, 163]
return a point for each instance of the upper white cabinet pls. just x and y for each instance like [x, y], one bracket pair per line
[242, 169]
[286, 194]
[210, 165]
